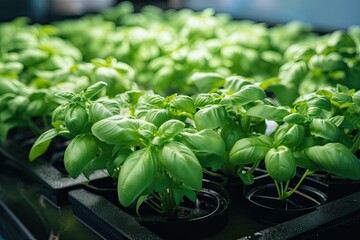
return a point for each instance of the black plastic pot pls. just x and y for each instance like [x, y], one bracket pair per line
[208, 215]
[338, 187]
[234, 185]
[263, 202]
[194, 220]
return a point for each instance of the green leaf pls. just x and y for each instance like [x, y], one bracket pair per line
[280, 164]
[123, 131]
[268, 112]
[42, 143]
[130, 97]
[77, 119]
[235, 83]
[94, 89]
[326, 63]
[324, 129]
[207, 82]
[10, 86]
[247, 94]
[337, 120]
[153, 100]
[183, 103]
[211, 117]
[293, 72]
[102, 109]
[204, 99]
[157, 116]
[170, 129]
[321, 102]
[137, 173]
[139, 202]
[286, 94]
[65, 95]
[231, 133]
[247, 177]
[356, 98]
[207, 145]
[80, 152]
[182, 164]
[180, 192]
[289, 135]
[342, 98]
[294, 118]
[248, 150]
[335, 158]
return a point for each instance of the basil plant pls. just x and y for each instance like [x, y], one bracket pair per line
[158, 156]
[73, 120]
[222, 105]
[307, 137]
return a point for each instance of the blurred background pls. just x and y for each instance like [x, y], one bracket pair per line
[324, 15]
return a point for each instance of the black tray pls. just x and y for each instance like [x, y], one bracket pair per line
[336, 218]
[55, 182]
[105, 218]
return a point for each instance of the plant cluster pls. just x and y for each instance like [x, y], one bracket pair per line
[157, 98]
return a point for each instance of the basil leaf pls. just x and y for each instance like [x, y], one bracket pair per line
[123, 131]
[170, 129]
[102, 109]
[157, 116]
[247, 94]
[280, 164]
[231, 133]
[80, 152]
[248, 150]
[94, 89]
[207, 145]
[42, 143]
[324, 129]
[335, 158]
[356, 97]
[183, 103]
[182, 164]
[207, 82]
[289, 135]
[211, 117]
[268, 112]
[294, 118]
[136, 174]
[235, 83]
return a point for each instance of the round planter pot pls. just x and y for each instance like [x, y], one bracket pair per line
[338, 187]
[207, 215]
[105, 187]
[233, 184]
[262, 201]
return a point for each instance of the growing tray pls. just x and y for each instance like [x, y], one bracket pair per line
[337, 218]
[105, 218]
[55, 181]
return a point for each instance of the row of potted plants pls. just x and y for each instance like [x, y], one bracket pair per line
[160, 103]
[157, 148]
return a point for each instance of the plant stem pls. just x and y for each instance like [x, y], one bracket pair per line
[306, 173]
[277, 188]
[154, 205]
[211, 173]
[168, 202]
[253, 167]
